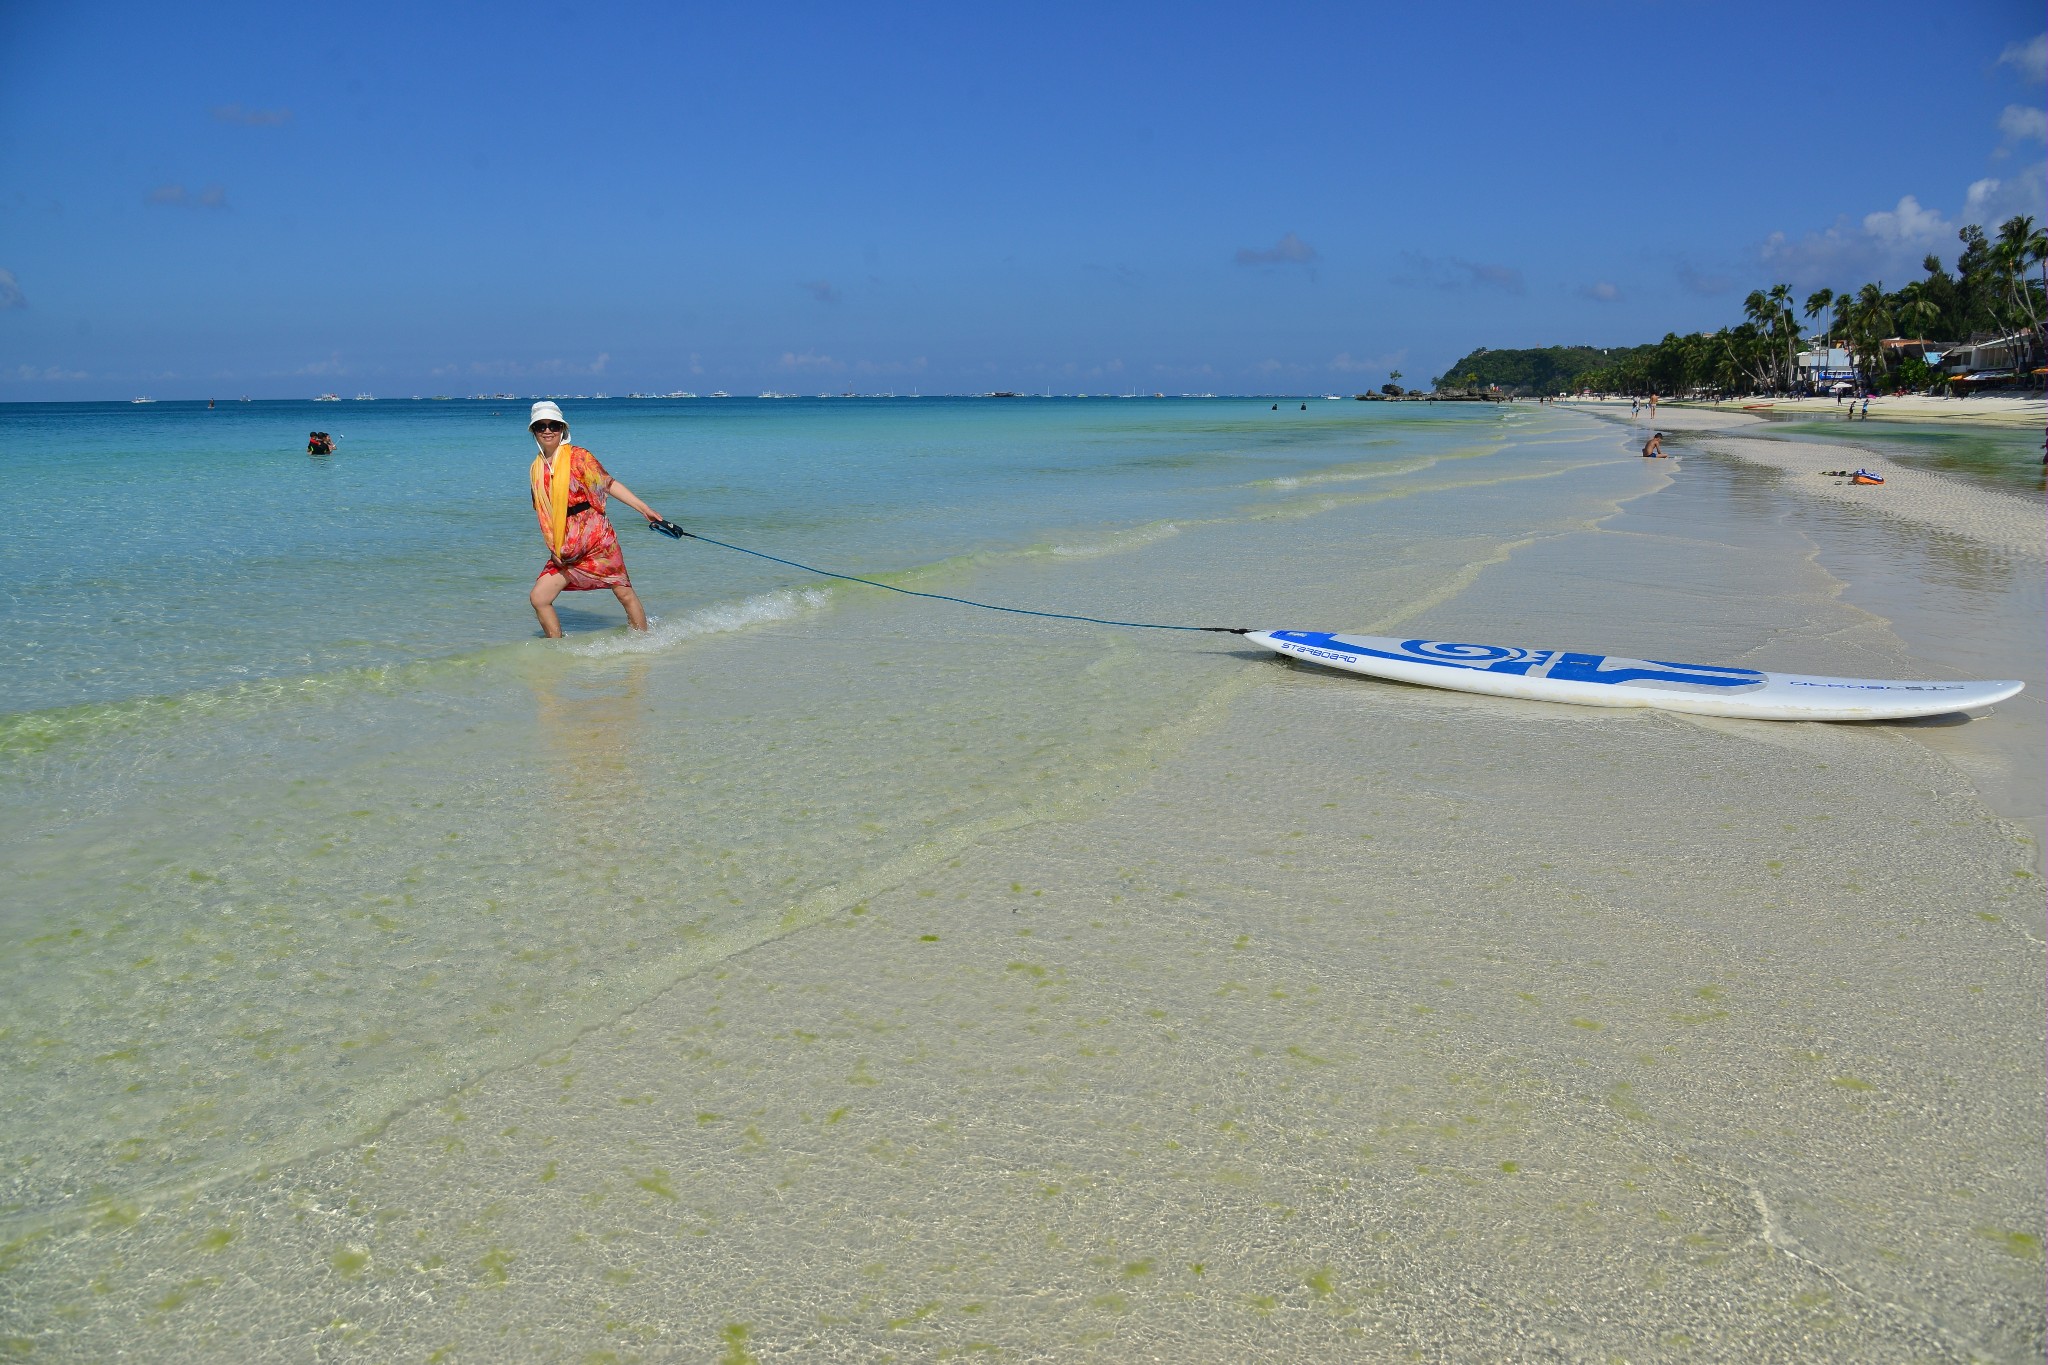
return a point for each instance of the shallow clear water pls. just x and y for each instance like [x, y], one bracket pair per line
[191, 548]
[1001, 979]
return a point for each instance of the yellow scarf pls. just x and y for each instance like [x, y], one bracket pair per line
[551, 495]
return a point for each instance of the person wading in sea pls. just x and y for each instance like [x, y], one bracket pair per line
[569, 492]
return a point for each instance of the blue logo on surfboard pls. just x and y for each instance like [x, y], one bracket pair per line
[1561, 665]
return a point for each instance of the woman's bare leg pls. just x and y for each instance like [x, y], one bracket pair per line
[543, 599]
[636, 615]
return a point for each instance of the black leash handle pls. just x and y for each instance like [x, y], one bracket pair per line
[675, 532]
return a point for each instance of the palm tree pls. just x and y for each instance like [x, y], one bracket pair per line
[1761, 312]
[1818, 302]
[2019, 245]
[1870, 321]
[1787, 327]
[1919, 311]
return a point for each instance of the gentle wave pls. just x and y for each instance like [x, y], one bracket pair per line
[1118, 542]
[1358, 472]
[26, 733]
[785, 604]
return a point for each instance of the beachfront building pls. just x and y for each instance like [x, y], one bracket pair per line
[1913, 348]
[2009, 361]
[1820, 368]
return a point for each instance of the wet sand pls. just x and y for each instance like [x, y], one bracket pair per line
[1351, 1022]
[1945, 505]
[1922, 551]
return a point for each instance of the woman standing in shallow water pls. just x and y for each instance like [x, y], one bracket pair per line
[569, 492]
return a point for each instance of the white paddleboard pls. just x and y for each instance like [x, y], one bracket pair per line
[1605, 680]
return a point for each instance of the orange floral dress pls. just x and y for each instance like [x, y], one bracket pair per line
[590, 557]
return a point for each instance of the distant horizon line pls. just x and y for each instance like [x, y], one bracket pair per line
[1017, 395]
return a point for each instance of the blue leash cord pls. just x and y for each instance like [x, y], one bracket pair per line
[675, 532]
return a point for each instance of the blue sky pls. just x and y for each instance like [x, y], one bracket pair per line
[221, 199]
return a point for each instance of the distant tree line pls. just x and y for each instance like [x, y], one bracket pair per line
[1994, 291]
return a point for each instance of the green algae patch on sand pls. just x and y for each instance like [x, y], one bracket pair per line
[734, 1335]
[2025, 1246]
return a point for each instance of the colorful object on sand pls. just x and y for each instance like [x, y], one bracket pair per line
[1865, 476]
[1604, 680]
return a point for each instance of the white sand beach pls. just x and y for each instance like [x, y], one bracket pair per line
[1991, 409]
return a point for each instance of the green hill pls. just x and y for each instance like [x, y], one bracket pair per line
[1543, 369]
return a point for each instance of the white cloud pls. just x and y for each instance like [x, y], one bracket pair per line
[1908, 225]
[10, 292]
[1888, 243]
[2030, 58]
[2024, 121]
[29, 373]
[1991, 201]
[808, 360]
[1289, 250]
[1600, 291]
[330, 366]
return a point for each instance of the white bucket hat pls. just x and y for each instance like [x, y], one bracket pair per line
[545, 411]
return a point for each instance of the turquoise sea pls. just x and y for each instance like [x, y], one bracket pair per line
[196, 549]
[841, 974]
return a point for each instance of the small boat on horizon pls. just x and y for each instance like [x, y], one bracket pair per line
[142, 400]
[328, 398]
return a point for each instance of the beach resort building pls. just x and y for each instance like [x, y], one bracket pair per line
[2010, 361]
[1820, 368]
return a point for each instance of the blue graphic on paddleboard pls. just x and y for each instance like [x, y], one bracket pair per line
[1562, 665]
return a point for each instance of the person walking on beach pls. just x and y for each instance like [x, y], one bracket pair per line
[569, 492]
